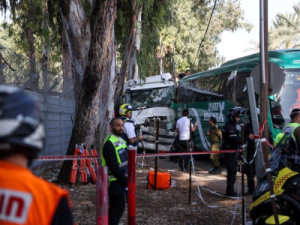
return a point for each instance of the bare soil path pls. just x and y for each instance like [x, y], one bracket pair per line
[164, 206]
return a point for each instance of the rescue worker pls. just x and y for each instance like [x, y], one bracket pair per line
[292, 129]
[130, 136]
[215, 136]
[232, 141]
[114, 156]
[24, 197]
[184, 127]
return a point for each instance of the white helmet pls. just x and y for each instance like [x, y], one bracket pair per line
[20, 127]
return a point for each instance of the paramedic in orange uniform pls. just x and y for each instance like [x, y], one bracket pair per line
[24, 197]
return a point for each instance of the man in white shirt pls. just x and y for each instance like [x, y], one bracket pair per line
[184, 127]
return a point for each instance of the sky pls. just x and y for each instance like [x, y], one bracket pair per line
[237, 44]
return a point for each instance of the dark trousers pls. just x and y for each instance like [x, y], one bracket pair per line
[250, 171]
[116, 208]
[231, 165]
[184, 160]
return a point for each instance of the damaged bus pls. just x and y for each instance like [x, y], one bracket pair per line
[213, 92]
[152, 98]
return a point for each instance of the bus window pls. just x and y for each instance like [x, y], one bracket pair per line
[242, 98]
[227, 86]
[286, 99]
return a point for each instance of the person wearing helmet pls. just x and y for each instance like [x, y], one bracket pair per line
[232, 141]
[25, 198]
[291, 129]
[130, 136]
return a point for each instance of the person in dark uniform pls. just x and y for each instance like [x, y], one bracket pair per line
[114, 156]
[215, 136]
[232, 141]
[250, 168]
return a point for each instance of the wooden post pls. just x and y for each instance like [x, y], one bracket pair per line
[243, 175]
[156, 149]
[264, 96]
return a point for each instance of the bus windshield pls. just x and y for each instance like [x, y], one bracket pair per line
[151, 97]
[286, 99]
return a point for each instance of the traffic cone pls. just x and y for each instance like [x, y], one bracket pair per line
[82, 168]
[95, 161]
[90, 168]
[74, 167]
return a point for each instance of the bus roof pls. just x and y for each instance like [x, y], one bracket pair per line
[285, 59]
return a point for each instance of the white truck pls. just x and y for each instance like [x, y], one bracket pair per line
[152, 98]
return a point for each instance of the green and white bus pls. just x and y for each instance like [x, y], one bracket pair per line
[213, 92]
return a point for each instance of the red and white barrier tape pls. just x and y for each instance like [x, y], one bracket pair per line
[184, 153]
[264, 140]
[72, 157]
[66, 157]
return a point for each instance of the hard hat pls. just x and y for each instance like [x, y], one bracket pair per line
[235, 112]
[20, 127]
[124, 109]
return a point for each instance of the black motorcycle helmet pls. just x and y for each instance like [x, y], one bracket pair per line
[20, 127]
[235, 112]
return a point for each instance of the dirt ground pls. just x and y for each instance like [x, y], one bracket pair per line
[163, 206]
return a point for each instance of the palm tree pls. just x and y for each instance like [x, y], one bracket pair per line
[285, 30]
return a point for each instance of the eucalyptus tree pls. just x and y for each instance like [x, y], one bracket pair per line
[34, 26]
[196, 30]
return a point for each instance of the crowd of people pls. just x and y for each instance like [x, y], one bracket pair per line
[22, 138]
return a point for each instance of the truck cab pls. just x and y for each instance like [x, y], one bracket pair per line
[152, 99]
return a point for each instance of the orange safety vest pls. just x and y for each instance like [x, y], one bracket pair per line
[25, 198]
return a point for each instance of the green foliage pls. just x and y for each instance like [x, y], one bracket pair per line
[156, 15]
[29, 15]
[174, 29]
[285, 30]
[185, 34]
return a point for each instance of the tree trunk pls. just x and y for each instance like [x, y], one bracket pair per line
[107, 96]
[33, 82]
[127, 51]
[103, 16]
[45, 58]
[78, 36]
[133, 72]
[161, 67]
[68, 90]
[2, 78]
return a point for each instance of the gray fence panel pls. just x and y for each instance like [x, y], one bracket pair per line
[56, 116]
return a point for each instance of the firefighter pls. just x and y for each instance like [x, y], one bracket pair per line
[232, 141]
[24, 197]
[129, 135]
[114, 156]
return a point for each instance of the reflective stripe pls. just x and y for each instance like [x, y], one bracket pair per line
[287, 130]
[121, 154]
[123, 164]
[233, 135]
